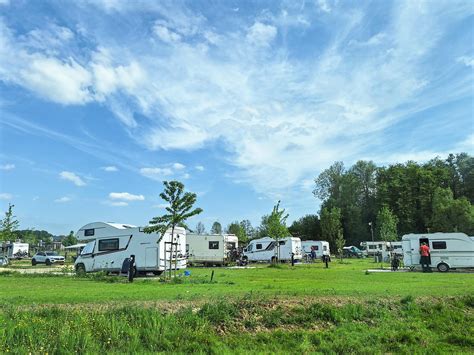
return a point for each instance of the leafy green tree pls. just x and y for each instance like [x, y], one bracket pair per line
[387, 225]
[277, 226]
[331, 225]
[179, 210]
[238, 230]
[451, 215]
[200, 229]
[70, 239]
[340, 242]
[9, 225]
[216, 228]
[306, 228]
[248, 229]
[328, 183]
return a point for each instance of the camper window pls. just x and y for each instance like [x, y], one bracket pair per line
[315, 247]
[258, 246]
[213, 245]
[108, 244]
[89, 232]
[439, 245]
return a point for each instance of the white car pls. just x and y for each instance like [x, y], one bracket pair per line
[47, 257]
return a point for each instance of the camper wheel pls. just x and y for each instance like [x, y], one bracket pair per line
[80, 269]
[443, 267]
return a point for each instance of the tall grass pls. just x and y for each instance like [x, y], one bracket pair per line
[244, 325]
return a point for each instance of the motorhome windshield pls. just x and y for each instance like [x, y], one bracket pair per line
[89, 248]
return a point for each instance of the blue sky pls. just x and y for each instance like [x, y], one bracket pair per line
[245, 102]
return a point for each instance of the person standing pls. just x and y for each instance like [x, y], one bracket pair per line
[425, 257]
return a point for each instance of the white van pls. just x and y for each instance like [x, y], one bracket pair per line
[211, 249]
[110, 244]
[265, 249]
[447, 250]
[321, 247]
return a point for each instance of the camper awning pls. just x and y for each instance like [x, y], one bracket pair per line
[75, 246]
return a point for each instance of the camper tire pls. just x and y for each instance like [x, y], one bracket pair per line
[443, 267]
[80, 269]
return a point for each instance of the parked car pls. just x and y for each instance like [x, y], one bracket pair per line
[47, 257]
[4, 261]
[352, 251]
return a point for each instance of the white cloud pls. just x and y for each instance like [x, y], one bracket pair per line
[156, 173]
[4, 2]
[178, 166]
[261, 34]
[324, 5]
[110, 168]
[63, 199]
[200, 167]
[5, 196]
[116, 203]
[165, 34]
[467, 61]
[7, 167]
[161, 205]
[70, 176]
[125, 196]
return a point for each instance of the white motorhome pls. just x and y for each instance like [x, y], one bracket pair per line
[110, 244]
[447, 250]
[265, 249]
[321, 247]
[396, 248]
[18, 250]
[211, 249]
[373, 248]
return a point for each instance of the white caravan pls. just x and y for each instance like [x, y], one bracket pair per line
[372, 248]
[211, 249]
[396, 248]
[321, 247]
[18, 250]
[264, 249]
[110, 244]
[447, 250]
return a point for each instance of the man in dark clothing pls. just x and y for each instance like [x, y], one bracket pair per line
[425, 257]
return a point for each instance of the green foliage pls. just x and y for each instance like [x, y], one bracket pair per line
[331, 225]
[70, 239]
[216, 228]
[450, 215]
[387, 225]
[340, 242]
[179, 210]
[306, 228]
[237, 229]
[8, 225]
[276, 226]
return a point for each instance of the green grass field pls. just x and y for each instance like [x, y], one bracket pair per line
[305, 308]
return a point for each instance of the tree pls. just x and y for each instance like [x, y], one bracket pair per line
[9, 225]
[450, 215]
[331, 225]
[340, 242]
[248, 229]
[238, 230]
[200, 229]
[387, 225]
[277, 226]
[179, 210]
[69, 240]
[306, 228]
[216, 228]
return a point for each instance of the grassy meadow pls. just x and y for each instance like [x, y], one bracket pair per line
[284, 309]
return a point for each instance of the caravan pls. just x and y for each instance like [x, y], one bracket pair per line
[321, 247]
[18, 250]
[447, 250]
[264, 249]
[111, 244]
[211, 249]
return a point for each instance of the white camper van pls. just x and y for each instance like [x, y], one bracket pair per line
[321, 247]
[447, 250]
[18, 250]
[211, 249]
[110, 244]
[264, 249]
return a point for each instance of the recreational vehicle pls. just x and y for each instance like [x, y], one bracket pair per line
[265, 249]
[447, 250]
[321, 247]
[211, 249]
[18, 250]
[374, 248]
[111, 244]
[396, 248]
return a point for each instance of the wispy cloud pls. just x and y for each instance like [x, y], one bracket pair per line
[7, 167]
[63, 199]
[110, 168]
[72, 177]
[199, 167]
[5, 196]
[126, 196]
[116, 203]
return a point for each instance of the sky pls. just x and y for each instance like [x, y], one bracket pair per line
[245, 102]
